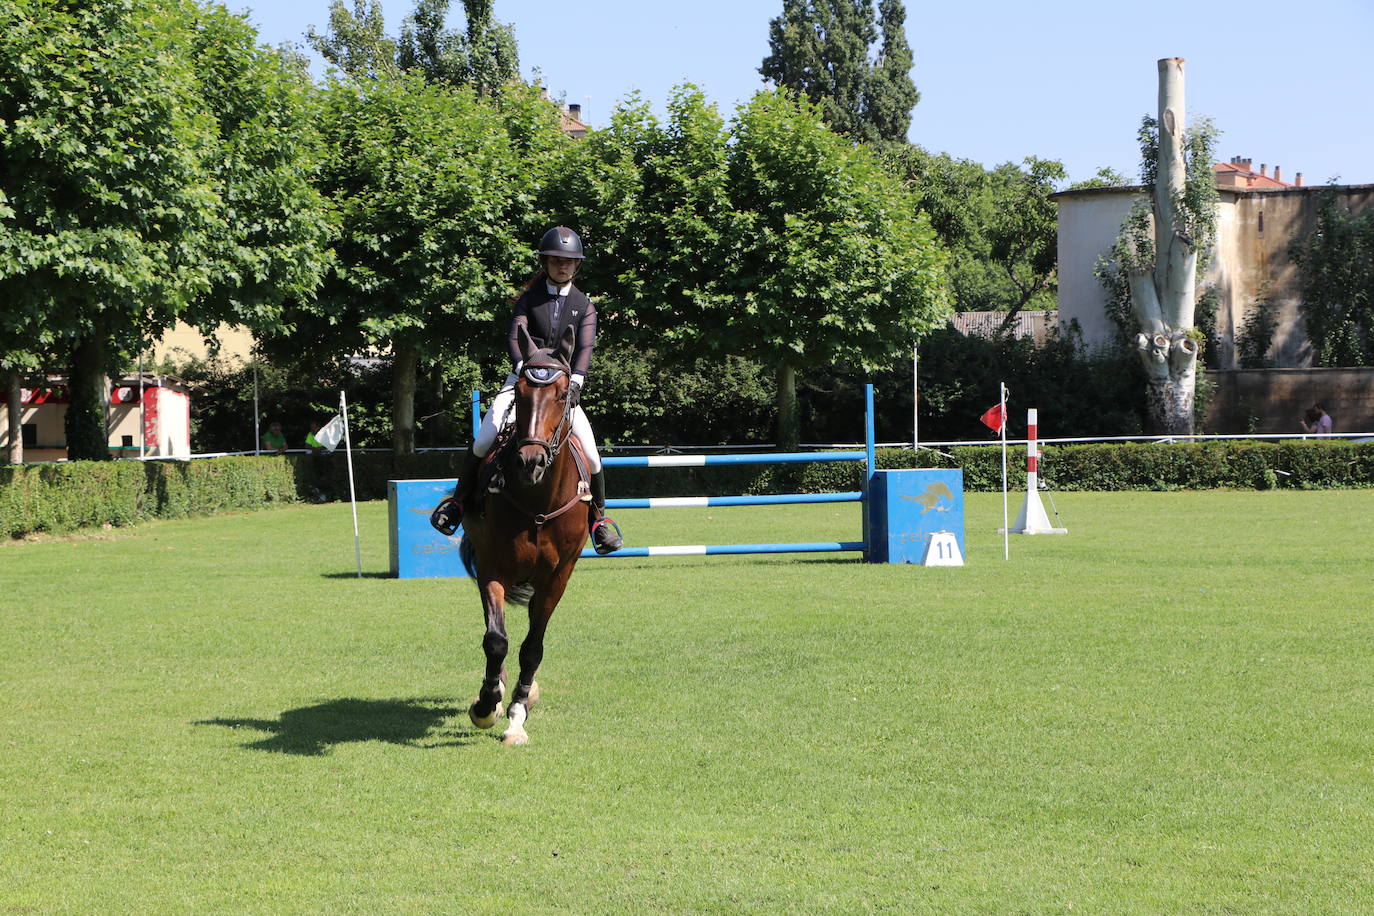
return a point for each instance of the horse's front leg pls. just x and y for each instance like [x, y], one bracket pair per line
[526, 692]
[486, 709]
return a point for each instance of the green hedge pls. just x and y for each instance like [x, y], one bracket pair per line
[91, 494]
[70, 495]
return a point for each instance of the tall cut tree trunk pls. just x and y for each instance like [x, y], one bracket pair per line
[87, 412]
[1164, 299]
[789, 419]
[404, 367]
[14, 426]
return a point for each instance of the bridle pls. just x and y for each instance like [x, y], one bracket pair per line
[541, 370]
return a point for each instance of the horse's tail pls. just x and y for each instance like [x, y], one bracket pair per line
[520, 593]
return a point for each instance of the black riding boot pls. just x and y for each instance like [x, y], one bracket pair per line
[448, 515]
[605, 532]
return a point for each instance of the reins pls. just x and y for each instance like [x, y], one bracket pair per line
[561, 434]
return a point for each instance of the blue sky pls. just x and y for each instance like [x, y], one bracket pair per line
[1288, 84]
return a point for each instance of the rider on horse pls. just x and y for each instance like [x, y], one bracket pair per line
[549, 304]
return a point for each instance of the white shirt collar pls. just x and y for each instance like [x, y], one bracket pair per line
[557, 290]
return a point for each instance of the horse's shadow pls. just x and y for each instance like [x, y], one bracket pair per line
[314, 731]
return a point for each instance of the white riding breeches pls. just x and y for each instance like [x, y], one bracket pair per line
[504, 403]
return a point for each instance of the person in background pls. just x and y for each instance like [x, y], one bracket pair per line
[311, 442]
[1317, 420]
[274, 440]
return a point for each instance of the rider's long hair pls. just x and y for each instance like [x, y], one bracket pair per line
[539, 276]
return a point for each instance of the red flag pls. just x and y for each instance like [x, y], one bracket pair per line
[994, 417]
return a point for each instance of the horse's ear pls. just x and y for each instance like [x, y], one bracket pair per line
[524, 342]
[566, 344]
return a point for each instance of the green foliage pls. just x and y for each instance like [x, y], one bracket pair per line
[1256, 335]
[1077, 392]
[154, 167]
[484, 58]
[999, 225]
[834, 262]
[432, 187]
[65, 496]
[356, 41]
[856, 68]
[638, 397]
[653, 204]
[1336, 263]
[774, 239]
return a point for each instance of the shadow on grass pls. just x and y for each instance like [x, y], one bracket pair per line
[353, 574]
[313, 731]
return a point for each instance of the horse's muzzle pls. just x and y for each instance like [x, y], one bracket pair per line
[535, 459]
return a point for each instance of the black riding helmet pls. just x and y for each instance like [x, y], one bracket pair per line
[561, 242]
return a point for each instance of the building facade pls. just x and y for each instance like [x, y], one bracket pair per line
[1252, 268]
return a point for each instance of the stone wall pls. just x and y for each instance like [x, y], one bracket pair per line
[1273, 400]
[1251, 266]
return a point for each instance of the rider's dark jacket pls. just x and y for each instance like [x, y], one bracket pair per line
[534, 309]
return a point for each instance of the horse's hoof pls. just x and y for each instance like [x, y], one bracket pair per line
[534, 695]
[512, 738]
[486, 721]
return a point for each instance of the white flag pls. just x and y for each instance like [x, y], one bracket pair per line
[331, 434]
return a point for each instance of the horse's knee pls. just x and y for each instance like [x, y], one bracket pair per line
[495, 644]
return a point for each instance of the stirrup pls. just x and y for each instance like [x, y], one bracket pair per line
[603, 541]
[447, 516]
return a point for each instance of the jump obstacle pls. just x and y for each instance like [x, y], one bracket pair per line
[909, 516]
[1032, 518]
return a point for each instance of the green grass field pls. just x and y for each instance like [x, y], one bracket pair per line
[1168, 710]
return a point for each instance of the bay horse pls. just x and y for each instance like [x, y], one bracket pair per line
[523, 541]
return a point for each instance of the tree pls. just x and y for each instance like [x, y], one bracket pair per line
[1337, 267]
[432, 187]
[121, 176]
[825, 50]
[774, 239]
[356, 41]
[1157, 256]
[1000, 226]
[652, 202]
[832, 261]
[485, 57]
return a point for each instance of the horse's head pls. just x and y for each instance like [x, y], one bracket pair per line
[543, 418]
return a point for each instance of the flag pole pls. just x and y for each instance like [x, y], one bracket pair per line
[1006, 528]
[352, 494]
[915, 396]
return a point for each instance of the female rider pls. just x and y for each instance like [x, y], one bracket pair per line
[549, 304]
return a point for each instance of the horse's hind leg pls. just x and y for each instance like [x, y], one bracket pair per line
[486, 709]
[526, 692]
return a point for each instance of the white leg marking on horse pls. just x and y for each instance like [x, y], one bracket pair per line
[515, 732]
